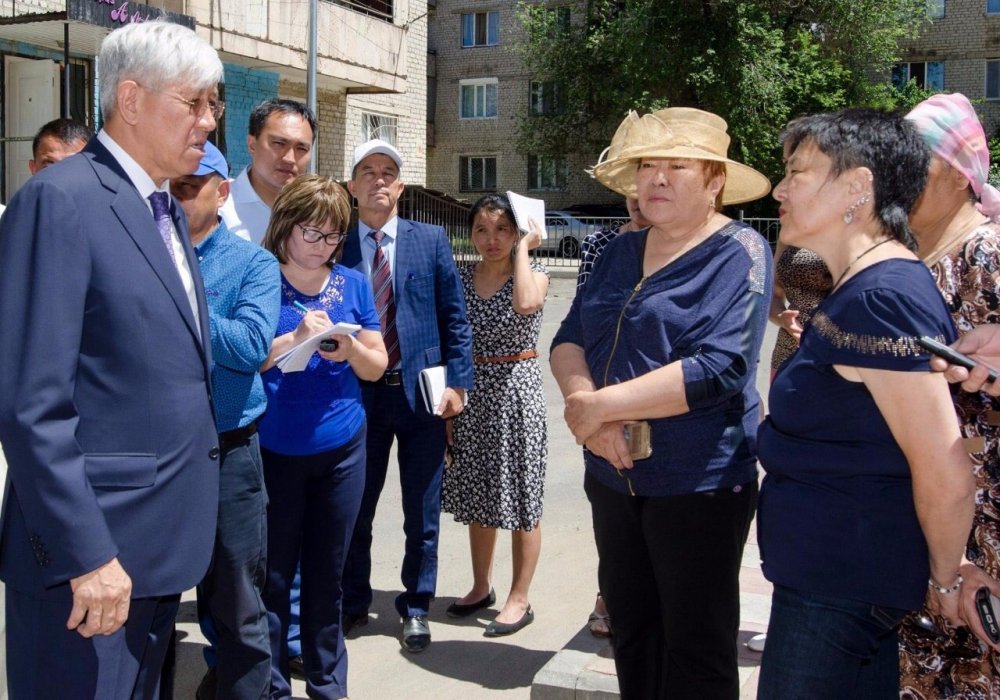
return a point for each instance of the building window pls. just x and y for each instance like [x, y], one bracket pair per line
[993, 7]
[929, 75]
[477, 174]
[560, 18]
[374, 8]
[544, 97]
[481, 29]
[935, 9]
[378, 126]
[478, 98]
[546, 173]
[993, 79]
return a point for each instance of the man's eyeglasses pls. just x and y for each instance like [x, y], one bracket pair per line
[313, 235]
[198, 107]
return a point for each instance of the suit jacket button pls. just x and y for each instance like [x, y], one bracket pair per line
[213, 453]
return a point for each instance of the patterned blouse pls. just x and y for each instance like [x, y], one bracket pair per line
[805, 279]
[933, 663]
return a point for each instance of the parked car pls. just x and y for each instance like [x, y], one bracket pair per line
[566, 232]
[605, 211]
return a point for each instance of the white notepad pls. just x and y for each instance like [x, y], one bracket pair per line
[526, 208]
[296, 359]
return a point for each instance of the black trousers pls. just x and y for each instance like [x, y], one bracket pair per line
[669, 572]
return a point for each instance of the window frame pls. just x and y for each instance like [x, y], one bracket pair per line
[536, 177]
[367, 133]
[933, 5]
[923, 82]
[491, 29]
[537, 96]
[986, 79]
[465, 183]
[476, 83]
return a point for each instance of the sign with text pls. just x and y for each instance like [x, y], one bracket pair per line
[117, 13]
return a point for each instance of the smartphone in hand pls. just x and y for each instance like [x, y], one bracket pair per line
[952, 355]
[987, 606]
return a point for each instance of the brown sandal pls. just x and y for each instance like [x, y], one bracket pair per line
[598, 624]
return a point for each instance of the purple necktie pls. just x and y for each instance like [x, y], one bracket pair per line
[161, 213]
[384, 304]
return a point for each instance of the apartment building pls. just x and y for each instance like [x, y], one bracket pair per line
[371, 70]
[477, 91]
[959, 52]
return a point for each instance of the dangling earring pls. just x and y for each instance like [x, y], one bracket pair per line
[849, 214]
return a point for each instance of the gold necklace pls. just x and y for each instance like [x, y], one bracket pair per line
[848, 268]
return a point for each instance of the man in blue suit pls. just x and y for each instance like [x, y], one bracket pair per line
[421, 304]
[105, 414]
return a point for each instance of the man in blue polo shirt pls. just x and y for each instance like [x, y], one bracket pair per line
[242, 287]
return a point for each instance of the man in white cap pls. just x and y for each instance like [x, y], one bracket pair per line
[420, 301]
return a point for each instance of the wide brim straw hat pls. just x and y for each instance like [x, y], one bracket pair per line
[676, 132]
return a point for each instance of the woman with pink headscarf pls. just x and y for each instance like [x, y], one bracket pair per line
[955, 223]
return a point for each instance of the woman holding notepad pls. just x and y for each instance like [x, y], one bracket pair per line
[312, 435]
[498, 442]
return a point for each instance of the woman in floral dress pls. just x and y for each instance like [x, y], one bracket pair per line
[498, 443]
[959, 240]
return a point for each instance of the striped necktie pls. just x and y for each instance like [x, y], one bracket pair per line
[384, 304]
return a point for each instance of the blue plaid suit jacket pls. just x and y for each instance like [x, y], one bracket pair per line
[431, 320]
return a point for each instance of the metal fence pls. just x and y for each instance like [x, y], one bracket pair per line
[565, 231]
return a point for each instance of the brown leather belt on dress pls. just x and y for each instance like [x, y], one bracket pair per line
[526, 355]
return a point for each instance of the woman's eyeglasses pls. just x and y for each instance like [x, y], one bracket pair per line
[314, 235]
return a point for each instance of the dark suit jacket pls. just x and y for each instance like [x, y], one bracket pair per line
[430, 304]
[105, 414]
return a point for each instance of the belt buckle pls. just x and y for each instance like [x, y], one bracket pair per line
[394, 378]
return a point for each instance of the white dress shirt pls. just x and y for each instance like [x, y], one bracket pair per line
[145, 185]
[244, 212]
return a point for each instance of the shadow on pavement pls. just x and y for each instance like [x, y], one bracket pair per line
[489, 664]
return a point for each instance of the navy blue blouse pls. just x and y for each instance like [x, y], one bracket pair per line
[836, 513]
[708, 309]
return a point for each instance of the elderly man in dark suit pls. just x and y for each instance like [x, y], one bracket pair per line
[105, 414]
[420, 302]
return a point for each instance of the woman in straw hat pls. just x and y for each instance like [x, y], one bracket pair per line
[656, 360]
[955, 222]
[867, 500]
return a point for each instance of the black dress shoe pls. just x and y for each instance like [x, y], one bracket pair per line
[459, 610]
[349, 621]
[502, 629]
[416, 634]
[297, 667]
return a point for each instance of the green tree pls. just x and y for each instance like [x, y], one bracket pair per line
[757, 64]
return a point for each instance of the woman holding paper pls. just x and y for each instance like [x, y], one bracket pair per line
[313, 433]
[498, 442]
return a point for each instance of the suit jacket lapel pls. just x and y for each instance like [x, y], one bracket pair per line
[136, 219]
[405, 248]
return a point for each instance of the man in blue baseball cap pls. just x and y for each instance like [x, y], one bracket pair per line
[242, 286]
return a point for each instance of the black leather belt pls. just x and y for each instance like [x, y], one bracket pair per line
[393, 378]
[234, 438]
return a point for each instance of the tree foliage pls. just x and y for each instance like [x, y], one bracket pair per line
[756, 63]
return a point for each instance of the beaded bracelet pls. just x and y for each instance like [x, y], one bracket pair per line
[945, 590]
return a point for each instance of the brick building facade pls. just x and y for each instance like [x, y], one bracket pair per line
[478, 90]
[960, 52]
[371, 70]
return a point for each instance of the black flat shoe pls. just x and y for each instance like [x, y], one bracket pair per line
[350, 621]
[502, 629]
[459, 610]
[416, 634]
